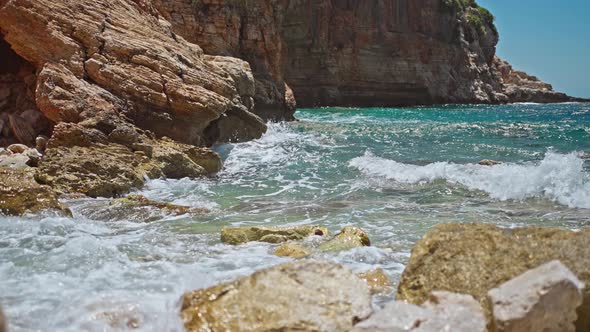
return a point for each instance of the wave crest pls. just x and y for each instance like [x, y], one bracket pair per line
[558, 177]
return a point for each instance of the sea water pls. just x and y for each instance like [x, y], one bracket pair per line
[393, 172]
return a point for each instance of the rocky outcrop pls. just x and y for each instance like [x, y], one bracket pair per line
[443, 312]
[20, 194]
[240, 235]
[542, 299]
[250, 30]
[297, 296]
[109, 80]
[475, 258]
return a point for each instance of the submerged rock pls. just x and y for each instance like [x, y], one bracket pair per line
[132, 201]
[19, 193]
[443, 312]
[542, 299]
[488, 162]
[348, 238]
[377, 280]
[474, 258]
[240, 235]
[297, 296]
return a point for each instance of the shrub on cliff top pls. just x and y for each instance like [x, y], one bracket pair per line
[478, 18]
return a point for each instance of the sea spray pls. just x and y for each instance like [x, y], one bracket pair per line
[558, 177]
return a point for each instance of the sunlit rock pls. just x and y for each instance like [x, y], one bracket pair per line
[377, 280]
[348, 238]
[541, 299]
[240, 235]
[20, 193]
[474, 258]
[297, 296]
[443, 312]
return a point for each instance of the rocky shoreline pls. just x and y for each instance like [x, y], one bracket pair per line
[142, 88]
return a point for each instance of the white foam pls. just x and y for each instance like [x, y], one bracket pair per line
[558, 177]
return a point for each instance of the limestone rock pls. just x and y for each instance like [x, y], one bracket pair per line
[474, 258]
[297, 296]
[542, 299]
[377, 280]
[293, 250]
[348, 238]
[240, 235]
[443, 312]
[19, 194]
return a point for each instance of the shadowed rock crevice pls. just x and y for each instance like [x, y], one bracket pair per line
[20, 119]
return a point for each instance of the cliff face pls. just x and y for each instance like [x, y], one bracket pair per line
[399, 52]
[358, 53]
[247, 29]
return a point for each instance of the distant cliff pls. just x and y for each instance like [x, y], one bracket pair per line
[359, 53]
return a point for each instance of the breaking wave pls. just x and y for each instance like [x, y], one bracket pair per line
[558, 177]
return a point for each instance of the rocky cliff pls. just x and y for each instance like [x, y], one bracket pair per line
[136, 85]
[359, 53]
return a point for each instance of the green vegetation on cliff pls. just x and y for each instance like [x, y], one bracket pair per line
[477, 16]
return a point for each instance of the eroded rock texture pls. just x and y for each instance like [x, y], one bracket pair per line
[475, 258]
[296, 296]
[111, 80]
[250, 30]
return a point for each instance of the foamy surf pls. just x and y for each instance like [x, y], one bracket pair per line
[558, 177]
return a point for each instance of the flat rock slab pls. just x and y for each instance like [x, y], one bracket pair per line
[444, 312]
[298, 296]
[542, 299]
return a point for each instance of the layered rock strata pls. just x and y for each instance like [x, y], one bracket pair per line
[110, 81]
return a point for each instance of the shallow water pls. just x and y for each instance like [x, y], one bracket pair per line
[393, 172]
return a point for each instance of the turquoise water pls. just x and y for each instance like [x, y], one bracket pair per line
[393, 172]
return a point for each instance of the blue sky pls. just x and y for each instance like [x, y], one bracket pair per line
[546, 38]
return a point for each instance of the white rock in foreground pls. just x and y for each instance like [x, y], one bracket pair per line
[542, 299]
[443, 312]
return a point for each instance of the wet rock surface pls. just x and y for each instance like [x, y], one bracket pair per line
[475, 258]
[298, 296]
[348, 238]
[377, 280]
[20, 194]
[240, 235]
[541, 299]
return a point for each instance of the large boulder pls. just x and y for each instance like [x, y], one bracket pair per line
[297, 296]
[474, 258]
[20, 193]
[443, 312]
[240, 235]
[542, 299]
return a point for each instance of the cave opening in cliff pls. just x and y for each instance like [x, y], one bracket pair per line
[20, 119]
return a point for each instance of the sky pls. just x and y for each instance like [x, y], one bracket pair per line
[546, 38]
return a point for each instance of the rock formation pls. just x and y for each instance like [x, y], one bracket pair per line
[359, 53]
[109, 80]
[443, 312]
[240, 235]
[475, 258]
[542, 299]
[297, 296]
